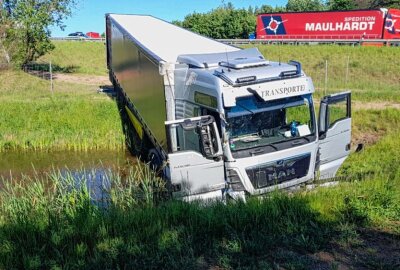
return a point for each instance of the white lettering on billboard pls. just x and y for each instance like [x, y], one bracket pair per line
[349, 24]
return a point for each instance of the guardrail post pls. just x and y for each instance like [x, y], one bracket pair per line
[326, 76]
[51, 78]
[347, 71]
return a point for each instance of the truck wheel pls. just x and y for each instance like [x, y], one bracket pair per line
[135, 145]
[155, 161]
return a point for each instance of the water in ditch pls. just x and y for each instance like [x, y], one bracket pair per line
[15, 164]
[95, 167]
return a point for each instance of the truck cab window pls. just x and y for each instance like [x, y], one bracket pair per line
[198, 135]
[337, 111]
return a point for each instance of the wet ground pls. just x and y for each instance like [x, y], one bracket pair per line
[15, 164]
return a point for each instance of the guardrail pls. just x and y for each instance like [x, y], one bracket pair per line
[77, 39]
[311, 41]
[293, 41]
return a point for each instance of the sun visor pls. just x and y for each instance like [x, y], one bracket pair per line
[283, 89]
[270, 90]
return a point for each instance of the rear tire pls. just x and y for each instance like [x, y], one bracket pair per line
[154, 160]
[136, 146]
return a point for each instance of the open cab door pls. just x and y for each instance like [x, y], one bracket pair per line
[334, 133]
[196, 166]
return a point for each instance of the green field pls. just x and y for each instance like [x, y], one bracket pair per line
[45, 223]
[73, 117]
[78, 57]
[27, 100]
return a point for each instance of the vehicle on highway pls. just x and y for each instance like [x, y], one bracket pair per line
[93, 35]
[217, 120]
[78, 35]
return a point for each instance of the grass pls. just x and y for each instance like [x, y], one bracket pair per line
[57, 223]
[60, 222]
[88, 58]
[75, 117]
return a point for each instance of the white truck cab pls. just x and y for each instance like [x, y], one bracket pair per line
[263, 120]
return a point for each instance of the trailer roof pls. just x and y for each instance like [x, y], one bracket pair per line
[165, 40]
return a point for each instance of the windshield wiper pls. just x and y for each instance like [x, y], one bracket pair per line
[243, 107]
[251, 138]
[261, 150]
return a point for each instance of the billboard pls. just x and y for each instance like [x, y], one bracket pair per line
[358, 24]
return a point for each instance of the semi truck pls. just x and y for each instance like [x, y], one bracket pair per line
[216, 120]
[338, 25]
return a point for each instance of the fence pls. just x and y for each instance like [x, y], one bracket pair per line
[42, 70]
[300, 41]
[78, 39]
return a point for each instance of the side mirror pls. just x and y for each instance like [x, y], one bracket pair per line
[323, 120]
[208, 142]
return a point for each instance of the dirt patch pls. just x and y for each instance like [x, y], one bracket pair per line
[82, 79]
[376, 250]
[370, 105]
[366, 138]
[379, 105]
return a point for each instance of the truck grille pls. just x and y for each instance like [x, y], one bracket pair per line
[279, 171]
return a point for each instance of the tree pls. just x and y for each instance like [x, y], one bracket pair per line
[4, 26]
[264, 9]
[30, 21]
[373, 4]
[385, 4]
[341, 4]
[304, 5]
[222, 22]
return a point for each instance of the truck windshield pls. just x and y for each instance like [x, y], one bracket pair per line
[252, 123]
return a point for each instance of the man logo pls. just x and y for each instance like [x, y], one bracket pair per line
[273, 25]
[282, 174]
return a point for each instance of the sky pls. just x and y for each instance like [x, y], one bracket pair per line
[89, 14]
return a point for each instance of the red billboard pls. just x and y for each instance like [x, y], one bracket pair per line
[356, 24]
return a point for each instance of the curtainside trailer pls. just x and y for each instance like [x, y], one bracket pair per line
[216, 120]
[338, 25]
